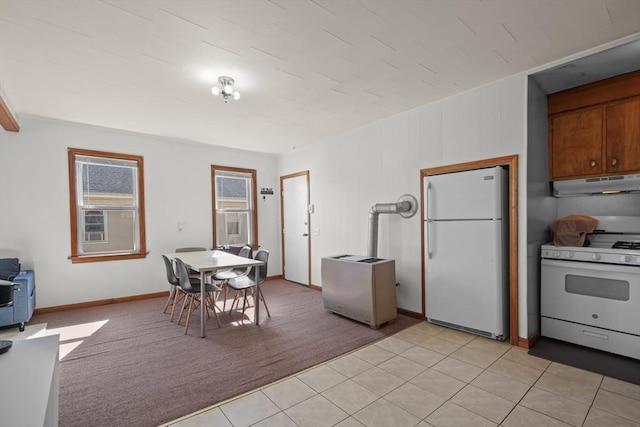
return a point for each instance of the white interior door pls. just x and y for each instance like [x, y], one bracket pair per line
[295, 227]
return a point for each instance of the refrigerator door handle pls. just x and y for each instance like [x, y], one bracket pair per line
[426, 208]
[426, 201]
[428, 239]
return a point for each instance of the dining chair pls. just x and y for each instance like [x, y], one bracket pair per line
[175, 291]
[192, 295]
[248, 282]
[225, 276]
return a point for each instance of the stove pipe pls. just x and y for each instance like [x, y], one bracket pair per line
[406, 206]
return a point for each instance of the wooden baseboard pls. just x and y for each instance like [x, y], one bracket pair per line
[411, 314]
[112, 301]
[315, 287]
[99, 302]
[528, 342]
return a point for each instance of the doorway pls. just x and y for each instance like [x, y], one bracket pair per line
[294, 204]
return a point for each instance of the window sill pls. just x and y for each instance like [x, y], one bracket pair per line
[99, 258]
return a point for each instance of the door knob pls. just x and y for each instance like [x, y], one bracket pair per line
[305, 234]
[593, 163]
[614, 162]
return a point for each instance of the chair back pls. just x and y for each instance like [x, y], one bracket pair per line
[245, 251]
[183, 276]
[171, 274]
[191, 249]
[261, 255]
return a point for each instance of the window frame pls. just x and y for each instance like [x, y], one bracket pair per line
[253, 199]
[76, 256]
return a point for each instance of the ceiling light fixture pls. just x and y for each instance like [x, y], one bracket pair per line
[225, 89]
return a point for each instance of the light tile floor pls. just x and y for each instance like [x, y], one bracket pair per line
[427, 375]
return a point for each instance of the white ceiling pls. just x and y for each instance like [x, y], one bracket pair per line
[306, 70]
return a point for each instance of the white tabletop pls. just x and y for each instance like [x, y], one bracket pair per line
[208, 261]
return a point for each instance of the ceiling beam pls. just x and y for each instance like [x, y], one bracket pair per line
[7, 119]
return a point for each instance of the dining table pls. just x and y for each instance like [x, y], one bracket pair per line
[210, 262]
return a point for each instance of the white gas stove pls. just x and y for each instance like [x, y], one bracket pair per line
[591, 295]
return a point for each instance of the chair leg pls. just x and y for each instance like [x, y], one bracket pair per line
[172, 295]
[176, 301]
[223, 286]
[264, 302]
[234, 302]
[206, 306]
[184, 304]
[186, 328]
[244, 303]
[212, 301]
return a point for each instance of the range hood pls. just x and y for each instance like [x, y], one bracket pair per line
[593, 186]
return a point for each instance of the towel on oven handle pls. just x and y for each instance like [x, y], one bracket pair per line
[572, 230]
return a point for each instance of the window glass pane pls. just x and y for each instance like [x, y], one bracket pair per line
[106, 185]
[233, 192]
[94, 226]
[121, 235]
[232, 228]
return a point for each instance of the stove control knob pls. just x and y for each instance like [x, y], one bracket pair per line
[625, 258]
[596, 257]
[557, 254]
[568, 254]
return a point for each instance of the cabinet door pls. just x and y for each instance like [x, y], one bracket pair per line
[577, 144]
[623, 137]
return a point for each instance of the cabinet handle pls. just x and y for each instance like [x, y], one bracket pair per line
[614, 162]
[593, 163]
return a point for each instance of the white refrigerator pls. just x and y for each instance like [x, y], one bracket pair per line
[466, 251]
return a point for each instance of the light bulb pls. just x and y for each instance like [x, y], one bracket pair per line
[236, 95]
[215, 90]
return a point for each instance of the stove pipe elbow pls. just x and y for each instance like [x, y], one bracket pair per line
[406, 206]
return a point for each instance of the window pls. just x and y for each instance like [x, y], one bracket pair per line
[235, 220]
[107, 206]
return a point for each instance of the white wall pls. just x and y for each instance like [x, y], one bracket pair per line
[541, 205]
[34, 195]
[379, 163]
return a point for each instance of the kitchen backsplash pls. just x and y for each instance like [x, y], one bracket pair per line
[605, 205]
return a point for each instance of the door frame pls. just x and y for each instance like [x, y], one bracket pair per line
[512, 163]
[282, 178]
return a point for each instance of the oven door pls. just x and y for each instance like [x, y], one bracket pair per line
[601, 295]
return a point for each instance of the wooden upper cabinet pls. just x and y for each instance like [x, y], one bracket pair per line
[576, 150]
[623, 137]
[594, 130]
